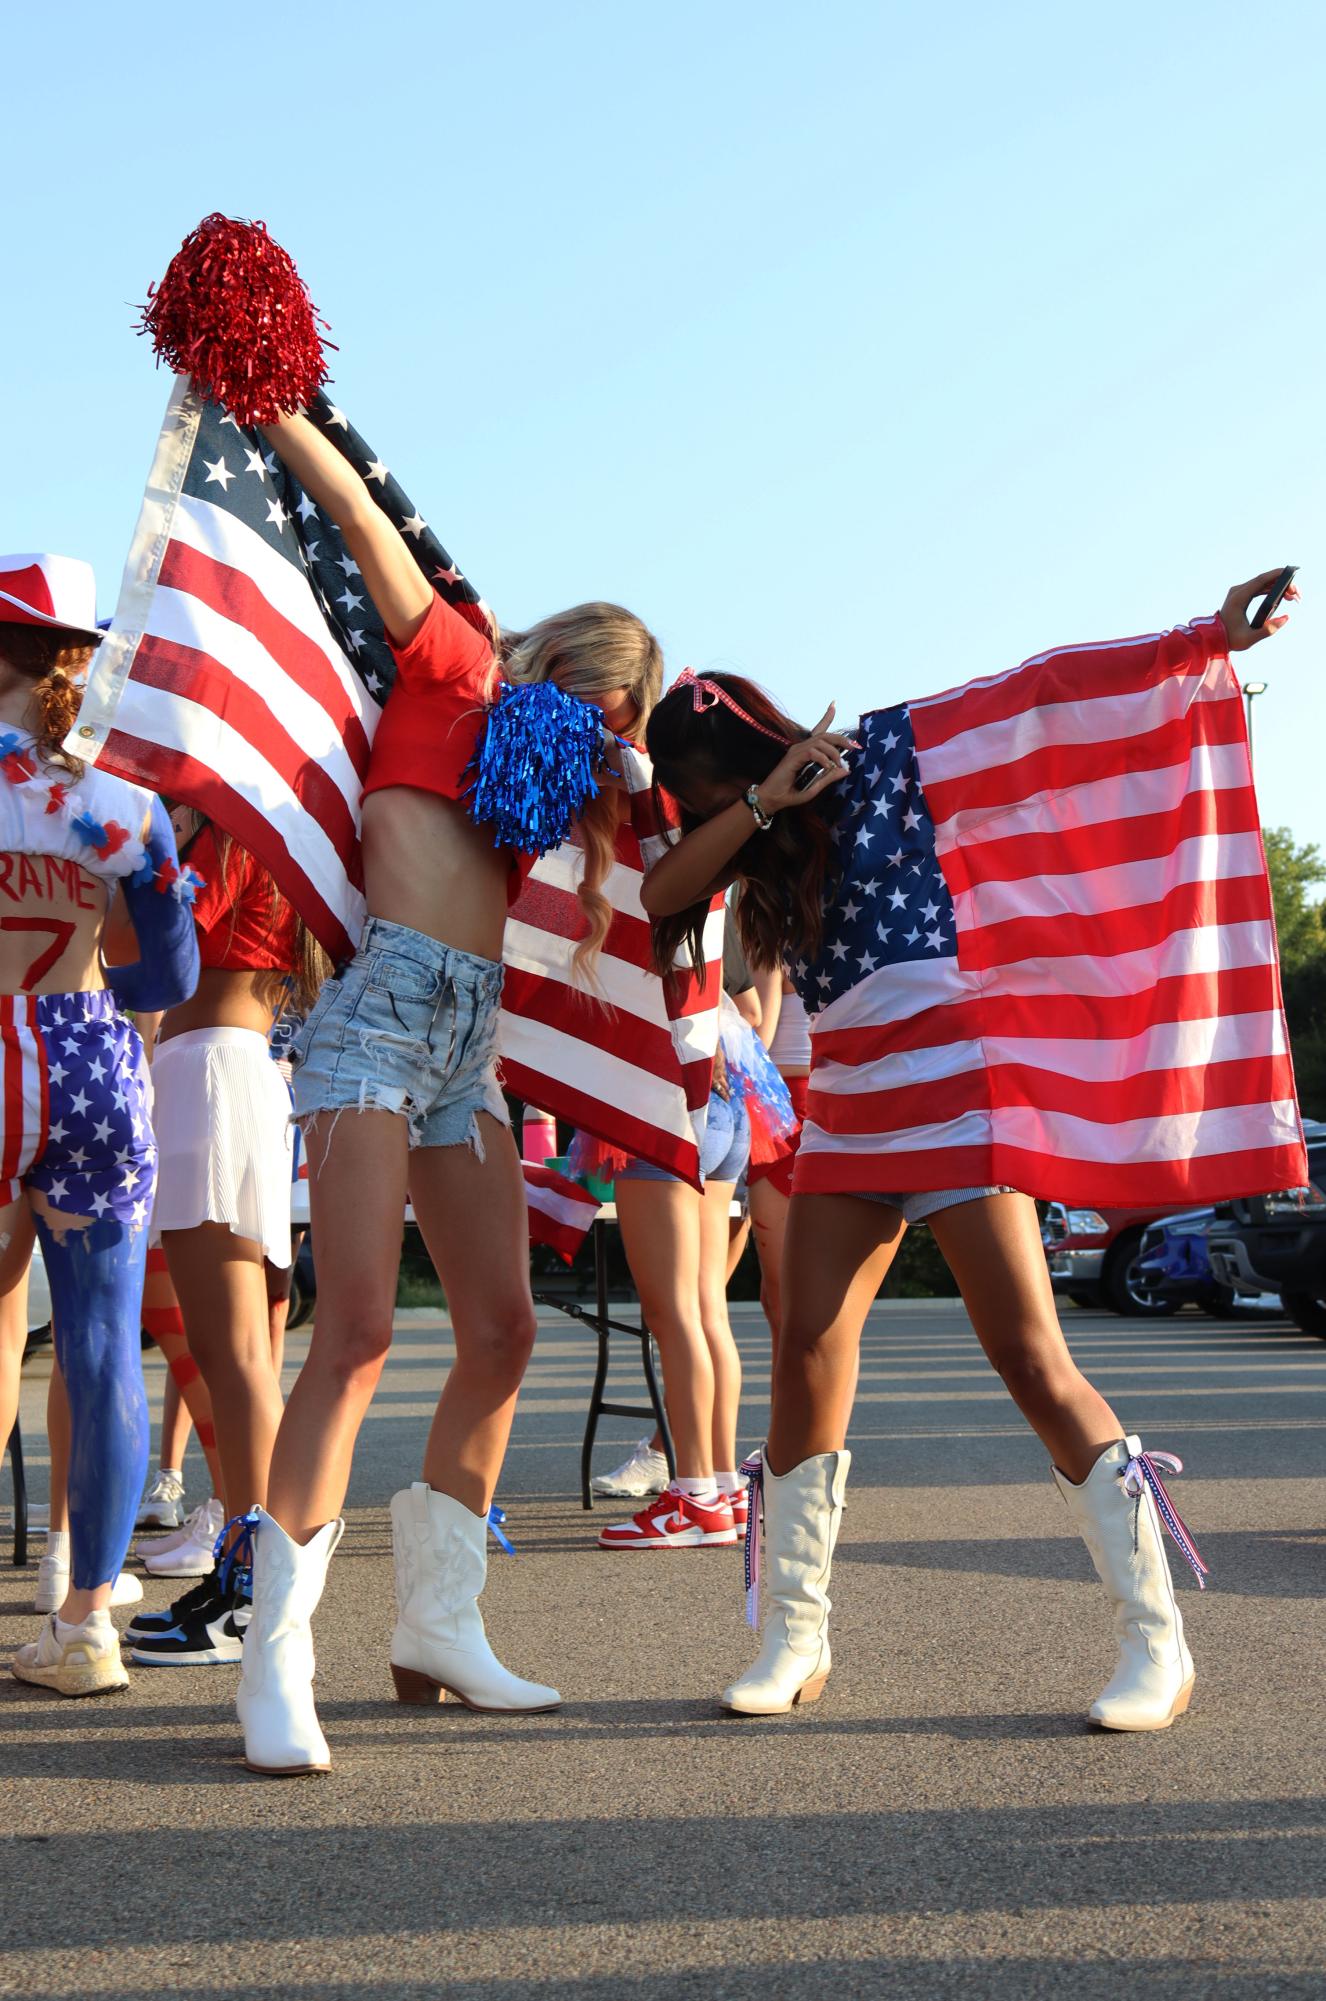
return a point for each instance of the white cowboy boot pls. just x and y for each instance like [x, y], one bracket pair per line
[1152, 1683]
[439, 1647]
[282, 1736]
[802, 1510]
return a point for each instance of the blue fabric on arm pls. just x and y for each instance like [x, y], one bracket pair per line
[167, 972]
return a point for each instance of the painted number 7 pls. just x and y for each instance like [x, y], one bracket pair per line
[60, 931]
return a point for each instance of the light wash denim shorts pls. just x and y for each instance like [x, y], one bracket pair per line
[921, 1203]
[409, 1025]
[724, 1150]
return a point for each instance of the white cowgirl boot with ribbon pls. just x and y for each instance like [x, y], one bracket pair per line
[802, 1510]
[282, 1736]
[439, 1647]
[1118, 1511]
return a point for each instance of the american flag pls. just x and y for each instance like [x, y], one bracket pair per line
[1050, 958]
[244, 673]
[560, 1211]
[630, 1061]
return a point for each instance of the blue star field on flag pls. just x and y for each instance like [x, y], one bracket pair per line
[890, 902]
[238, 470]
[99, 1160]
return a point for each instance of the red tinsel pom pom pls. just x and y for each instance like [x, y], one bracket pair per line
[233, 312]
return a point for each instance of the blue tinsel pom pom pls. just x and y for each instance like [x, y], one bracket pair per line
[534, 771]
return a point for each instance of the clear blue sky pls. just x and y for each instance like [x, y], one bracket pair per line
[860, 348]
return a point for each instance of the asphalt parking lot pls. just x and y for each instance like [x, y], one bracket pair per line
[941, 1823]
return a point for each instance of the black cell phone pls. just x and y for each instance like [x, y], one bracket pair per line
[807, 776]
[1274, 597]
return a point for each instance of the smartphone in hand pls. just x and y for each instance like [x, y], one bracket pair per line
[1274, 598]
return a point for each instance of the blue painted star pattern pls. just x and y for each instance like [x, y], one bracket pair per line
[100, 1159]
[890, 902]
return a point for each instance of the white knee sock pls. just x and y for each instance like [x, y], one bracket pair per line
[57, 1547]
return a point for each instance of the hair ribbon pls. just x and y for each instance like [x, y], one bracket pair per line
[706, 694]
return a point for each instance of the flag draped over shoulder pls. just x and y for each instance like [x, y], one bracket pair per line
[1050, 960]
[244, 673]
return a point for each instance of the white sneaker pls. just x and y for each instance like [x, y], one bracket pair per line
[645, 1472]
[84, 1661]
[206, 1521]
[53, 1586]
[162, 1506]
[190, 1555]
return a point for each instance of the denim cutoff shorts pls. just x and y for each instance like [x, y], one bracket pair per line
[409, 1025]
[921, 1203]
[724, 1150]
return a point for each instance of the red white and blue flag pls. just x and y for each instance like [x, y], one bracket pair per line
[244, 673]
[1050, 957]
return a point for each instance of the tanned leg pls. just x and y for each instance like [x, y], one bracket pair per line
[993, 1249]
[837, 1252]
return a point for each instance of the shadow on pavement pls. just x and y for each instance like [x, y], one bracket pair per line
[1256, 1563]
[316, 1881]
[1040, 1979]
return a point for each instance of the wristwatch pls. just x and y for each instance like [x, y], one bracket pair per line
[763, 820]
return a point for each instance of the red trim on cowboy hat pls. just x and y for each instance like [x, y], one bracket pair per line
[55, 591]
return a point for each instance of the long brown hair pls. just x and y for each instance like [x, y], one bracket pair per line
[784, 871]
[49, 659]
[587, 651]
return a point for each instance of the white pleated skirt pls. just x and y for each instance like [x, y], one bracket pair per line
[222, 1120]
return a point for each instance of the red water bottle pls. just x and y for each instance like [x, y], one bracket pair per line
[538, 1136]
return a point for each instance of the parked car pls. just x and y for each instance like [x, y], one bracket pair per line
[1093, 1255]
[1175, 1263]
[1279, 1242]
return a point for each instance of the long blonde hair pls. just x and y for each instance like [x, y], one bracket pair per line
[589, 651]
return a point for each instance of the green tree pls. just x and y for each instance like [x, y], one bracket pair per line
[1295, 872]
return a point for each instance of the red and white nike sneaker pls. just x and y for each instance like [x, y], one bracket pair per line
[674, 1521]
[740, 1505]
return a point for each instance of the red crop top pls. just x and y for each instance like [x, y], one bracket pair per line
[242, 925]
[429, 730]
[446, 680]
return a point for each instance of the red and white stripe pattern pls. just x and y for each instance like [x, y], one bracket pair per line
[26, 1084]
[629, 1057]
[243, 674]
[48, 590]
[560, 1211]
[224, 681]
[1110, 1028]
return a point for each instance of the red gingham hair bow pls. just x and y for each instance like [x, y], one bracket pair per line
[706, 694]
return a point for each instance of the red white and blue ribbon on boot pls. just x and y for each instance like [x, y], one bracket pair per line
[1143, 1471]
[753, 1468]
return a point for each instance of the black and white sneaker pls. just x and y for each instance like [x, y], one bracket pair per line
[206, 1629]
[144, 1623]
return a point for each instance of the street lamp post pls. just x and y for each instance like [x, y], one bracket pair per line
[1251, 689]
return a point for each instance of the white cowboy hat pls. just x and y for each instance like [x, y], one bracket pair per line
[54, 591]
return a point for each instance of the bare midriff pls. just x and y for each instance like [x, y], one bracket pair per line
[225, 997]
[52, 913]
[427, 865]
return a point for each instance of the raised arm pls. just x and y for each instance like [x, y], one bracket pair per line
[399, 590]
[700, 864]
